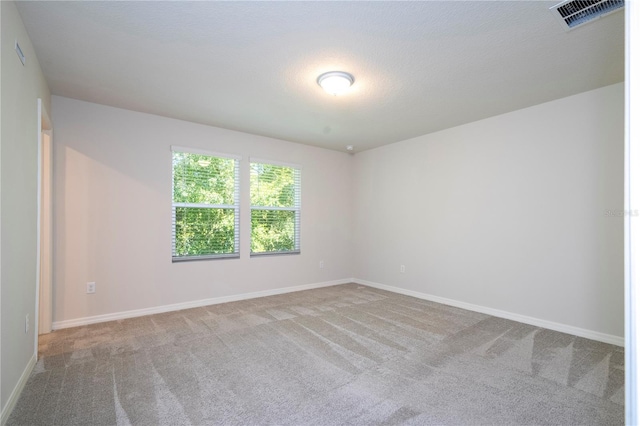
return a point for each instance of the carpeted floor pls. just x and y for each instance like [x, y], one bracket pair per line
[343, 355]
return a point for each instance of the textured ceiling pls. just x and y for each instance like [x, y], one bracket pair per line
[252, 66]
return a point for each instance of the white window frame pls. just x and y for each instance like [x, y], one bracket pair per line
[297, 208]
[235, 206]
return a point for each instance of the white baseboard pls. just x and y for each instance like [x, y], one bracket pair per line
[13, 398]
[576, 331]
[57, 325]
[589, 334]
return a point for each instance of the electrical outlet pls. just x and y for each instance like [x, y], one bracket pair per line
[91, 288]
[26, 324]
[402, 269]
[321, 264]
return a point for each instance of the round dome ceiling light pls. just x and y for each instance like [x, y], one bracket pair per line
[335, 82]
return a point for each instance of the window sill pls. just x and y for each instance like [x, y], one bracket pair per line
[275, 253]
[208, 257]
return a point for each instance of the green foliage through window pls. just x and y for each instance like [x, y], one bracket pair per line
[205, 205]
[204, 231]
[275, 208]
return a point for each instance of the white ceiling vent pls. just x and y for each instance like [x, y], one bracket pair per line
[573, 13]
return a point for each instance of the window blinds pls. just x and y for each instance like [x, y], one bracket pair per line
[275, 208]
[206, 205]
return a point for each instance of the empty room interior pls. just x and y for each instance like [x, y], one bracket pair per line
[313, 213]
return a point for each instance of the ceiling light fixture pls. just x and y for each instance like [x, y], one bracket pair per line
[335, 82]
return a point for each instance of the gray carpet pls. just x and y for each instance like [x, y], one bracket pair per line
[343, 355]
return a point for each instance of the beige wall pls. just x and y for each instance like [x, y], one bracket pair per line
[21, 87]
[112, 213]
[507, 213]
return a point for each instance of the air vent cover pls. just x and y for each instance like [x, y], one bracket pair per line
[574, 13]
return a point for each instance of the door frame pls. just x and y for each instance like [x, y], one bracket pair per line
[44, 232]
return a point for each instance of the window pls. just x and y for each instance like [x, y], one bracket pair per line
[275, 208]
[206, 205]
